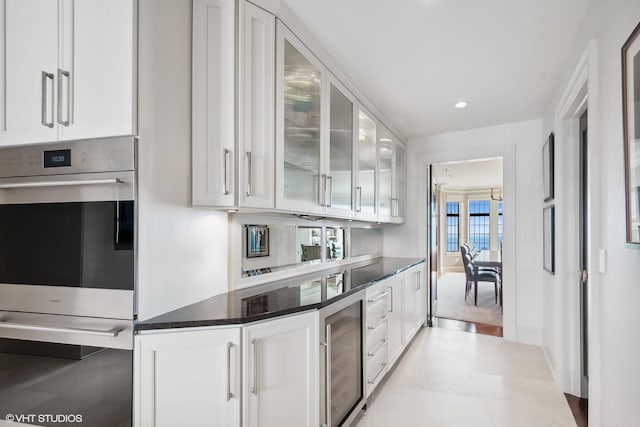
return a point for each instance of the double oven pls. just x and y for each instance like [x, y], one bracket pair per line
[67, 279]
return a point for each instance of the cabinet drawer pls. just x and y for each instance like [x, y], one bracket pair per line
[376, 314]
[376, 367]
[377, 294]
[376, 335]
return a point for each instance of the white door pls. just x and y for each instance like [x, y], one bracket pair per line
[394, 321]
[281, 373]
[29, 38]
[188, 378]
[96, 96]
[257, 120]
[214, 108]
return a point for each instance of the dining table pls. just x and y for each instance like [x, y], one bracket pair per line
[491, 259]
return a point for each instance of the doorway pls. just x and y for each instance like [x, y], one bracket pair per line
[584, 256]
[465, 207]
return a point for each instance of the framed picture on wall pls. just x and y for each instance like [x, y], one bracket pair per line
[549, 239]
[547, 169]
[257, 241]
[631, 125]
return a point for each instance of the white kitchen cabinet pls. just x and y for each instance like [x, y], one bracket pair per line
[377, 334]
[300, 77]
[257, 117]
[339, 159]
[280, 366]
[414, 302]
[399, 199]
[233, 144]
[188, 377]
[68, 69]
[214, 102]
[394, 321]
[391, 177]
[366, 167]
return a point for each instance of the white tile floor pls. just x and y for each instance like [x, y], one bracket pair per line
[450, 378]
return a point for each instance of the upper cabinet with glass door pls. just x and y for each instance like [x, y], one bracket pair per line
[366, 167]
[299, 75]
[391, 177]
[339, 153]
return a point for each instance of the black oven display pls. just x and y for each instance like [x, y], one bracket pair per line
[57, 158]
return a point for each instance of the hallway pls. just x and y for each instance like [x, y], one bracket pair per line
[450, 378]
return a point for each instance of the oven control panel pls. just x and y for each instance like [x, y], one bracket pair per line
[83, 156]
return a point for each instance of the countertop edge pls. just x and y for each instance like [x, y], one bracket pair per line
[145, 326]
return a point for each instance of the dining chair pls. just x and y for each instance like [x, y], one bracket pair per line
[474, 275]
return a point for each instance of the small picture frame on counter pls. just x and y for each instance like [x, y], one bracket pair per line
[257, 241]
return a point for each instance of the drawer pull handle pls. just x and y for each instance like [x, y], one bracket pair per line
[375, 379]
[382, 295]
[380, 322]
[373, 353]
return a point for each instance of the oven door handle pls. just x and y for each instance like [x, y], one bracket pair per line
[38, 184]
[40, 328]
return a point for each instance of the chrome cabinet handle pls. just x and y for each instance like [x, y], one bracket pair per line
[329, 202]
[379, 297]
[322, 195]
[44, 121]
[254, 387]
[380, 322]
[229, 394]
[328, 375]
[38, 184]
[373, 381]
[391, 298]
[41, 328]
[225, 170]
[247, 156]
[61, 74]
[419, 285]
[359, 199]
[394, 208]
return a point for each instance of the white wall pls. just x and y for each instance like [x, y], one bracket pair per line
[519, 145]
[614, 347]
[183, 252]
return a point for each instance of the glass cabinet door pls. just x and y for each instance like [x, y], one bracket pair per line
[299, 95]
[340, 175]
[385, 175]
[367, 162]
[400, 173]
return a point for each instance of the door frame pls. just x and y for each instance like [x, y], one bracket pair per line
[509, 283]
[580, 94]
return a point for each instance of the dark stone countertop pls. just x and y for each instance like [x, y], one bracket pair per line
[281, 297]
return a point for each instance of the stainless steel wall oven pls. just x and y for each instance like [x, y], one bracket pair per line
[67, 279]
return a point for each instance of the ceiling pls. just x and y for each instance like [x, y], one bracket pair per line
[416, 60]
[469, 175]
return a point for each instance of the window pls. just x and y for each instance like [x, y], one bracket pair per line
[499, 223]
[453, 226]
[479, 224]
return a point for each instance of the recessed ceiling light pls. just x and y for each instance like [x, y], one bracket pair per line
[460, 104]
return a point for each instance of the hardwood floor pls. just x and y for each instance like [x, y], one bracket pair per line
[579, 408]
[459, 325]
